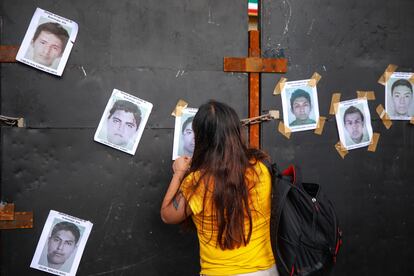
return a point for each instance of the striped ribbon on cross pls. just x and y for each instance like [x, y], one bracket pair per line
[253, 7]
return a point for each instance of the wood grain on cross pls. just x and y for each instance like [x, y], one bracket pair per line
[8, 53]
[254, 64]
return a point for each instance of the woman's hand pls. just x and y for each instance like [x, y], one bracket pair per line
[174, 208]
[181, 166]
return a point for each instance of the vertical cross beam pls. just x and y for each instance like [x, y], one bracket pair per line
[254, 90]
[254, 64]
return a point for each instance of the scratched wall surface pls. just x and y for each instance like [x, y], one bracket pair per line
[157, 51]
[350, 43]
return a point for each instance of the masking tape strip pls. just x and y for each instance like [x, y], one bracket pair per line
[284, 130]
[320, 125]
[412, 121]
[314, 79]
[178, 110]
[274, 114]
[369, 95]
[336, 97]
[387, 73]
[384, 116]
[21, 220]
[7, 211]
[373, 146]
[341, 149]
[279, 86]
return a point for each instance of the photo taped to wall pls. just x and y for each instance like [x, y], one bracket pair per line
[48, 42]
[183, 134]
[353, 120]
[399, 103]
[61, 244]
[300, 105]
[123, 122]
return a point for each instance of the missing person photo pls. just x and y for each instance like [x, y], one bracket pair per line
[399, 103]
[123, 122]
[300, 105]
[61, 244]
[183, 134]
[353, 120]
[48, 42]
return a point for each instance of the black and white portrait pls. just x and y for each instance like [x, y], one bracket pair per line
[48, 42]
[61, 244]
[123, 122]
[183, 134]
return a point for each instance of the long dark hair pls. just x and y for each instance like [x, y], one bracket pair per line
[222, 158]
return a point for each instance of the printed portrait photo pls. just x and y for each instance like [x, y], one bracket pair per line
[354, 123]
[48, 42]
[300, 105]
[399, 103]
[123, 122]
[183, 134]
[61, 244]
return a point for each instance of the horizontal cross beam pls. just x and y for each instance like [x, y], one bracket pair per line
[255, 65]
[8, 53]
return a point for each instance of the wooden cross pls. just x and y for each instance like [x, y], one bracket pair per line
[8, 53]
[254, 64]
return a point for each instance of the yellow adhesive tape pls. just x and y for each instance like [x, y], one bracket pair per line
[279, 86]
[320, 125]
[387, 73]
[336, 97]
[274, 114]
[178, 110]
[284, 130]
[384, 116]
[314, 79]
[373, 146]
[369, 95]
[341, 149]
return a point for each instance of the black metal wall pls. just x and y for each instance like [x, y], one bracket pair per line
[162, 51]
[350, 43]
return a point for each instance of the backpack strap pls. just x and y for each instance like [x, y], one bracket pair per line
[281, 185]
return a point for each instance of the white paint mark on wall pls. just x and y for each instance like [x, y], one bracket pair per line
[179, 73]
[210, 18]
[83, 70]
[289, 16]
[311, 27]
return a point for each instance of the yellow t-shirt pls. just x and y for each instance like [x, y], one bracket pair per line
[257, 254]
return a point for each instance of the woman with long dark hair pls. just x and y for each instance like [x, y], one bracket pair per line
[226, 190]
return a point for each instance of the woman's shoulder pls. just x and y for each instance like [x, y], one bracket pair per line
[259, 168]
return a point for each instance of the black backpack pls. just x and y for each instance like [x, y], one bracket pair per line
[305, 234]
